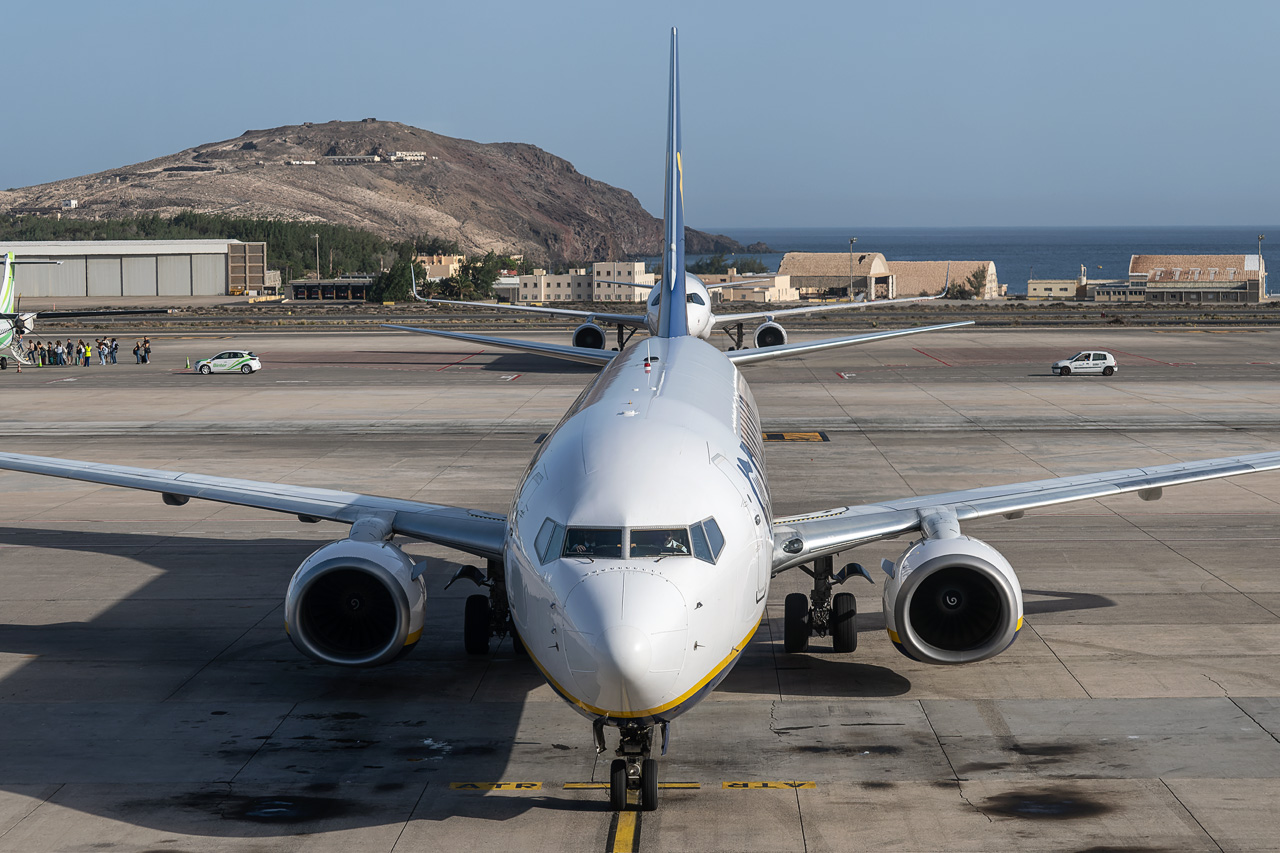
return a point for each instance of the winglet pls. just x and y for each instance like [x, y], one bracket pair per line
[673, 318]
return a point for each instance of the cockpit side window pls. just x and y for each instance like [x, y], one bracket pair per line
[667, 542]
[549, 541]
[714, 537]
[701, 549]
[695, 298]
[595, 542]
[657, 291]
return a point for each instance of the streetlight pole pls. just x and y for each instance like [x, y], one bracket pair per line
[852, 240]
[1262, 282]
[317, 239]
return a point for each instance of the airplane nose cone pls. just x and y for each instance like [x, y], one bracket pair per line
[624, 641]
[626, 653]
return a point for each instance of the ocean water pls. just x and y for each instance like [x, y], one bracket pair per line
[1019, 253]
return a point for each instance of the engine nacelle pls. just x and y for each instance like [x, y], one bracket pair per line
[954, 600]
[355, 603]
[770, 335]
[588, 336]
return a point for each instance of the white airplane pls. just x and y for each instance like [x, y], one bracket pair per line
[634, 563]
[15, 323]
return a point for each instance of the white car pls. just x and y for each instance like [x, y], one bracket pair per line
[1092, 361]
[231, 361]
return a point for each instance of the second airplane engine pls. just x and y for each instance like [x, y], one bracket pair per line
[770, 335]
[355, 603]
[588, 336]
[954, 600]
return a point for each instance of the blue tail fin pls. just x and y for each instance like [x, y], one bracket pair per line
[673, 318]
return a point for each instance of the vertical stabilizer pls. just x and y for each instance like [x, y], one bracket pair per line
[6, 289]
[673, 317]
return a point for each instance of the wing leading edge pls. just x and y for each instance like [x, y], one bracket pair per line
[469, 530]
[834, 530]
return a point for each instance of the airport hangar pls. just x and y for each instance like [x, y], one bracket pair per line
[123, 268]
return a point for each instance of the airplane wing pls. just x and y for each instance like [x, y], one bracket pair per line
[636, 320]
[834, 530]
[751, 356]
[581, 354]
[473, 531]
[105, 312]
[722, 319]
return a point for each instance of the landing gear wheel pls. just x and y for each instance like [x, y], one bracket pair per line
[476, 626]
[1065, 371]
[618, 785]
[795, 623]
[844, 622]
[517, 644]
[206, 369]
[648, 785]
[1108, 370]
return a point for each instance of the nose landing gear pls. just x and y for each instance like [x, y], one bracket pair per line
[633, 769]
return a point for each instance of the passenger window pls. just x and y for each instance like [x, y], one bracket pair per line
[673, 542]
[1084, 356]
[593, 542]
[549, 541]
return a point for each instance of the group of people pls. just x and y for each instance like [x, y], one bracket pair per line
[80, 354]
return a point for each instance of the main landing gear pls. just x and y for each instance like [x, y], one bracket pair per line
[821, 614]
[486, 616]
[633, 769]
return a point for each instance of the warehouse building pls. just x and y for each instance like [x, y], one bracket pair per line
[816, 274]
[124, 268]
[1199, 279]
[929, 278]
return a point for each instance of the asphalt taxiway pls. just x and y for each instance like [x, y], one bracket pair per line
[149, 699]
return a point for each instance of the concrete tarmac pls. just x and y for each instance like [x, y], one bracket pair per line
[149, 699]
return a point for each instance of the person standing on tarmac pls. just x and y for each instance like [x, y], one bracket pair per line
[113, 349]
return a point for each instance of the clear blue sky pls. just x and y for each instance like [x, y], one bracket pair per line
[796, 113]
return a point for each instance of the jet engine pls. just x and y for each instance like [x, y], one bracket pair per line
[770, 335]
[355, 603]
[588, 336]
[953, 600]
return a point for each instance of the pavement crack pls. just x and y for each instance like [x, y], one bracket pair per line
[955, 777]
[1218, 685]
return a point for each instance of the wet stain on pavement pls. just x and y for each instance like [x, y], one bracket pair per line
[1044, 804]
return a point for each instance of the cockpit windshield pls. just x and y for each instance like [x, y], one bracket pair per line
[596, 542]
[673, 542]
[695, 298]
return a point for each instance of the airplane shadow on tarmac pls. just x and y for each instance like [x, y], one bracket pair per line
[183, 707]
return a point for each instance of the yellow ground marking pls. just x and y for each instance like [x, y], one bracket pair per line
[795, 436]
[599, 786]
[625, 833]
[496, 786]
[770, 785]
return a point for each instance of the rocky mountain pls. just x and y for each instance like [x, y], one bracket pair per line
[508, 197]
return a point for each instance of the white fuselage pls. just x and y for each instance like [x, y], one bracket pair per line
[619, 630]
